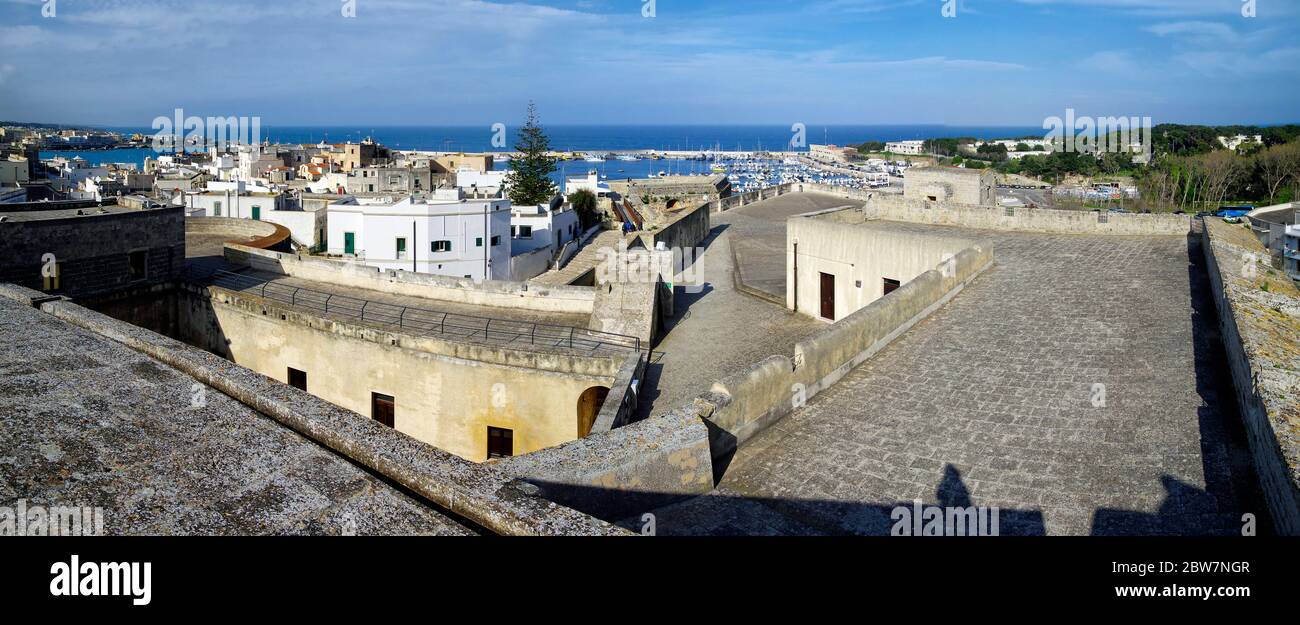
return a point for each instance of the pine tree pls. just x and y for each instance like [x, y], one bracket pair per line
[529, 179]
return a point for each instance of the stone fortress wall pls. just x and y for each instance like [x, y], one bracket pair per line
[478, 493]
[661, 459]
[519, 295]
[446, 393]
[1260, 330]
[92, 250]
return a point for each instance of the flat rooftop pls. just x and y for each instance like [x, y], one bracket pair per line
[65, 213]
[86, 421]
[991, 402]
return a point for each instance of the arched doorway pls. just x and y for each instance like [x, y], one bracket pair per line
[589, 404]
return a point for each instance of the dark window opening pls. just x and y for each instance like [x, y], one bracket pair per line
[298, 379]
[136, 266]
[382, 408]
[496, 241]
[501, 443]
[440, 246]
[891, 285]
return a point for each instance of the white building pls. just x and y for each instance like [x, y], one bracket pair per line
[447, 234]
[1232, 143]
[905, 147]
[540, 227]
[237, 199]
[590, 182]
[470, 179]
[1291, 252]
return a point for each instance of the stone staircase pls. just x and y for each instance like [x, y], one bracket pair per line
[585, 260]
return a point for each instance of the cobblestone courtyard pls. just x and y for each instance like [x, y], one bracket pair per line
[994, 401]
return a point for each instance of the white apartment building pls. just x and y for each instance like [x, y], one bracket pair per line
[446, 234]
[905, 147]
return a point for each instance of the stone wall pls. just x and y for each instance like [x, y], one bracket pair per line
[627, 471]
[952, 184]
[481, 494]
[748, 402]
[446, 393]
[521, 295]
[1261, 335]
[1018, 219]
[529, 265]
[686, 231]
[265, 235]
[93, 250]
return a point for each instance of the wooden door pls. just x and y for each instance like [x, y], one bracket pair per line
[828, 296]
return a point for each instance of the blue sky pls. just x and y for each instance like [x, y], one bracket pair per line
[469, 62]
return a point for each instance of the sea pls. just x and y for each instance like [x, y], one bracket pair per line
[597, 138]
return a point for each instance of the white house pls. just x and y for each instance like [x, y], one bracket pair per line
[234, 199]
[539, 227]
[590, 182]
[446, 234]
[468, 178]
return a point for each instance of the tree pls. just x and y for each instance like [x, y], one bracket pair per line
[1277, 165]
[584, 202]
[529, 179]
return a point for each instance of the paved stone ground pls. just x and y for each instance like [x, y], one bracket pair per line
[722, 330]
[86, 421]
[989, 401]
[757, 233]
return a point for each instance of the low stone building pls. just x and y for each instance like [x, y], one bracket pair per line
[951, 184]
[81, 248]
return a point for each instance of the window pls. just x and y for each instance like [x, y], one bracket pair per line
[478, 242]
[891, 285]
[382, 408]
[496, 241]
[501, 443]
[137, 268]
[401, 248]
[441, 246]
[525, 232]
[298, 379]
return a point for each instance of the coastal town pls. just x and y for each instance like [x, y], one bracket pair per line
[282, 274]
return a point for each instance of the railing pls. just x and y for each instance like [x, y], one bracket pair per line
[425, 321]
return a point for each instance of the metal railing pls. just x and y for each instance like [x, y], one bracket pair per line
[426, 321]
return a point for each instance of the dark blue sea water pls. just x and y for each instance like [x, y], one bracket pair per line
[595, 138]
